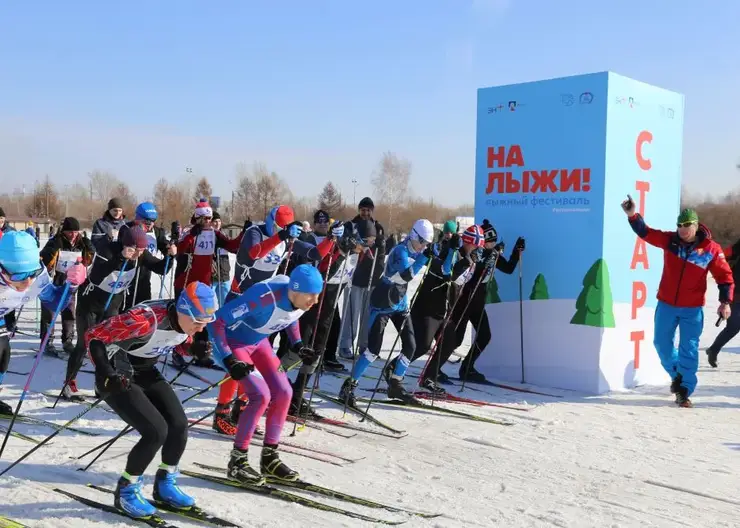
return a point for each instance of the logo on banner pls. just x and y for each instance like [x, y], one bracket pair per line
[586, 98]
[567, 99]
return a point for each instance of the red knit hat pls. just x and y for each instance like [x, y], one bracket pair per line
[473, 235]
[284, 216]
[202, 208]
[134, 237]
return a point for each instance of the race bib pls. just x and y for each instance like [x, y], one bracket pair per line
[66, 260]
[162, 342]
[114, 234]
[117, 282]
[271, 261]
[151, 245]
[205, 243]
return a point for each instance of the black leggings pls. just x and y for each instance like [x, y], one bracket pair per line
[731, 329]
[151, 407]
[425, 330]
[68, 321]
[4, 354]
[85, 318]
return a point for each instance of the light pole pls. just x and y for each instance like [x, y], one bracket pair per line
[354, 191]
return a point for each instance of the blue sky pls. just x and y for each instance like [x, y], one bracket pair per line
[318, 90]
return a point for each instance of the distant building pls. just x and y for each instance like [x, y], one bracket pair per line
[20, 223]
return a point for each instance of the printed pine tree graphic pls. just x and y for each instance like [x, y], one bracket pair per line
[492, 291]
[594, 306]
[539, 289]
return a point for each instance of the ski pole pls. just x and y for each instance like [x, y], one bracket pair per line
[115, 286]
[302, 388]
[52, 435]
[136, 285]
[36, 361]
[326, 339]
[398, 336]
[164, 277]
[521, 316]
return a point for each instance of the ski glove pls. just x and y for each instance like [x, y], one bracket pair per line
[196, 230]
[455, 241]
[429, 251]
[200, 350]
[337, 229]
[293, 230]
[308, 355]
[116, 384]
[347, 244]
[499, 248]
[77, 274]
[519, 244]
[247, 224]
[237, 369]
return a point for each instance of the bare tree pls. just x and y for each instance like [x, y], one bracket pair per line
[243, 194]
[161, 190]
[391, 182]
[102, 186]
[203, 189]
[270, 189]
[127, 198]
[45, 202]
[329, 199]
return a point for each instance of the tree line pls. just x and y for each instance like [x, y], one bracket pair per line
[255, 191]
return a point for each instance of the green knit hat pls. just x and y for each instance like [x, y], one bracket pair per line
[450, 226]
[688, 215]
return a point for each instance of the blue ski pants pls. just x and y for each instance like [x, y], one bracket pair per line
[684, 360]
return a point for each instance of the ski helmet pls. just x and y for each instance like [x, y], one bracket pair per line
[422, 231]
[306, 279]
[19, 252]
[198, 301]
[282, 215]
[473, 235]
[146, 211]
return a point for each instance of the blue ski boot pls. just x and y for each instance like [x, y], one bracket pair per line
[128, 499]
[166, 490]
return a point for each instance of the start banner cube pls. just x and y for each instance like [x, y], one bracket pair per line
[554, 160]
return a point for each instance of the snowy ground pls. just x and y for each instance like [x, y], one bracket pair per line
[571, 461]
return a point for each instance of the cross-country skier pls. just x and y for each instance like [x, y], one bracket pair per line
[471, 307]
[221, 268]
[263, 250]
[141, 288]
[125, 350]
[315, 326]
[113, 269]
[447, 276]
[105, 229]
[389, 302]
[732, 327]
[689, 253]
[23, 278]
[240, 343]
[60, 253]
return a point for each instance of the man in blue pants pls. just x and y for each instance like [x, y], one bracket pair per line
[689, 253]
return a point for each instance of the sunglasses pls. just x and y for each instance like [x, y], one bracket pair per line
[198, 320]
[20, 277]
[685, 224]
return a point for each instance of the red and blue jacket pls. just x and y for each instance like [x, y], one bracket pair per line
[685, 266]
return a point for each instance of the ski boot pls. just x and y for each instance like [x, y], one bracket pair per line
[347, 392]
[240, 471]
[388, 370]
[430, 385]
[206, 362]
[70, 392]
[52, 351]
[222, 420]
[396, 391]
[712, 357]
[128, 499]
[682, 398]
[236, 411]
[68, 346]
[270, 464]
[473, 376]
[167, 491]
[301, 409]
[5, 409]
[676, 384]
[332, 365]
[178, 361]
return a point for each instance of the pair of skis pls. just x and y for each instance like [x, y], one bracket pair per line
[272, 489]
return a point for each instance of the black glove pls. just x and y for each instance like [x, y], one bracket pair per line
[455, 241]
[347, 244]
[237, 369]
[499, 248]
[308, 355]
[200, 350]
[196, 230]
[175, 231]
[519, 244]
[247, 224]
[293, 230]
[116, 384]
[429, 251]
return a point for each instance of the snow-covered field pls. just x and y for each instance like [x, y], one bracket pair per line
[568, 461]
